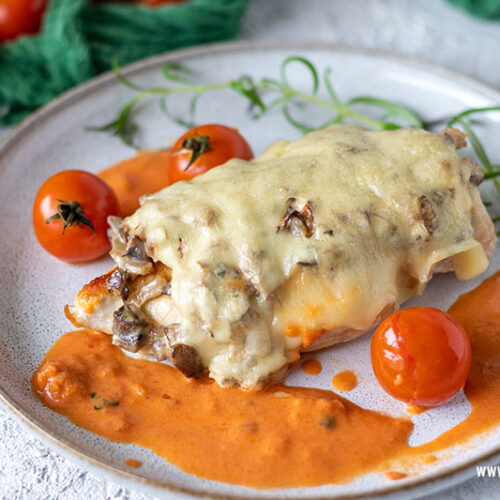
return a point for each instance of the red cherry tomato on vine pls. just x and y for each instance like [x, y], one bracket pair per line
[205, 147]
[70, 215]
[20, 16]
[421, 355]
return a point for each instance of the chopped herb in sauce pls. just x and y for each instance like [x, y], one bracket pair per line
[101, 402]
[329, 422]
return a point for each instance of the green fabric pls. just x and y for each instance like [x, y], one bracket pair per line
[80, 39]
[482, 8]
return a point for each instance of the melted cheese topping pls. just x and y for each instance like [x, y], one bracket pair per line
[324, 234]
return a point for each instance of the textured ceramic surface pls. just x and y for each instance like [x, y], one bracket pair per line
[35, 286]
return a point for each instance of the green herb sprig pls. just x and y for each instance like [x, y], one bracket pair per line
[267, 94]
[263, 96]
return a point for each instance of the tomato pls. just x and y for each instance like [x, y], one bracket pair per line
[20, 16]
[158, 3]
[205, 147]
[70, 215]
[421, 356]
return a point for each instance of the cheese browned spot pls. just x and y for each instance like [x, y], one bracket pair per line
[308, 245]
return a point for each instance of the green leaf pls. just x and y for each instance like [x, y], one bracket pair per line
[475, 143]
[394, 109]
[304, 128]
[306, 63]
[329, 85]
[390, 126]
[477, 146]
[123, 79]
[247, 88]
[491, 175]
[177, 119]
[456, 118]
[174, 71]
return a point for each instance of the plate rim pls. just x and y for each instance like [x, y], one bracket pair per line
[437, 481]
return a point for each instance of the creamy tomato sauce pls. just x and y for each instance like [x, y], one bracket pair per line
[281, 436]
[145, 173]
[311, 367]
[344, 381]
[479, 313]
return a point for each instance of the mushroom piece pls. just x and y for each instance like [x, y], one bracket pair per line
[115, 231]
[427, 214]
[150, 287]
[128, 329]
[298, 221]
[187, 360]
[116, 282]
[132, 257]
[159, 344]
[476, 175]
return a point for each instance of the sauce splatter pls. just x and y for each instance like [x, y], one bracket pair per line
[311, 367]
[132, 462]
[147, 172]
[345, 381]
[310, 437]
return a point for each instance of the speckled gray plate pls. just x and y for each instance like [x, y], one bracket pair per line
[36, 286]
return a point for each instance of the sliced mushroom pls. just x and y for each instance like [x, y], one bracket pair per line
[427, 214]
[116, 231]
[146, 288]
[133, 258]
[116, 282]
[172, 332]
[136, 250]
[129, 329]
[298, 221]
[476, 176]
[158, 344]
[186, 359]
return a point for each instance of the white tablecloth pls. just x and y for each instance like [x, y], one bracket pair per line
[427, 29]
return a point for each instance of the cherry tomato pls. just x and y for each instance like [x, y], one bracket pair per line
[421, 355]
[20, 16]
[158, 3]
[70, 215]
[205, 147]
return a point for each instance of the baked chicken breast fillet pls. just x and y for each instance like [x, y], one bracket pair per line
[311, 244]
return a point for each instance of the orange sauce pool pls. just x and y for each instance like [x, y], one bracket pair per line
[263, 439]
[281, 436]
[147, 172]
[311, 367]
[345, 381]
